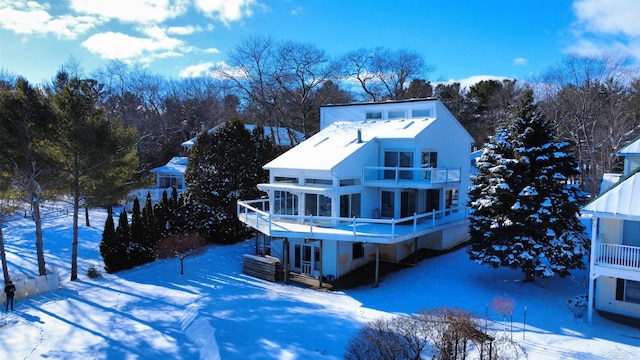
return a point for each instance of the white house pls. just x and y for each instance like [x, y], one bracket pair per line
[614, 273]
[172, 173]
[378, 182]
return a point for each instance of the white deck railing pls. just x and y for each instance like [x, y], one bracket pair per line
[256, 214]
[400, 174]
[617, 255]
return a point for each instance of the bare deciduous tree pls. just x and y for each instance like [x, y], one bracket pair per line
[180, 247]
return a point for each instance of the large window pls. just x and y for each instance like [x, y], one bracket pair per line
[350, 205]
[388, 204]
[167, 181]
[285, 203]
[317, 205]
[628, 290]
[451, 199]
[397, 159]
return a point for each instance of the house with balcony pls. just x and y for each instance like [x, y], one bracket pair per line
[378, 182]
[172, 173]
[614, 272]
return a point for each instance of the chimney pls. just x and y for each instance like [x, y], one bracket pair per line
[359, 136]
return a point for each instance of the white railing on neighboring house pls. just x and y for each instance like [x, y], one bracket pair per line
[256, 214]
[400, 174]
[617, 255]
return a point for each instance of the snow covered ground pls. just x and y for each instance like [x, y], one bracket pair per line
[214, 311]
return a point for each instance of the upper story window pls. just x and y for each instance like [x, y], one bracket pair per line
[396, 114]
[318, 182]
[372, 115]
[167, 181]
[420, 113]
[429, 159]
[284, 179]
[349, 182]
[398, 159]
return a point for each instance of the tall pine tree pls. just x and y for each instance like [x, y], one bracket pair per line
[524, 208]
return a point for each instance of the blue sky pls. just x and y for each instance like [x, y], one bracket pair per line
[463, 40]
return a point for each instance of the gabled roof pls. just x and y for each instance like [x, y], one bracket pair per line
[620, 201]
[177, 165]
[328, 148]
[283, 135]
[632, 148]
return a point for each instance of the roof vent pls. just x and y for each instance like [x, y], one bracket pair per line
[359, 136]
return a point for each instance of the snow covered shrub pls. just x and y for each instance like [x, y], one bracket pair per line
[93, 272]
[578, 305]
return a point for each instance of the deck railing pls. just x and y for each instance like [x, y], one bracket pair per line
[399, 174]
[255, 213]
[617, 255]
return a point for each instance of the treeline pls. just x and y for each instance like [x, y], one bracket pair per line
[206, 212]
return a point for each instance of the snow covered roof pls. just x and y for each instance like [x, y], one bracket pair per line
[332, 145]
[633, 148]
[283, 135]
[177, 165]
[619, 201]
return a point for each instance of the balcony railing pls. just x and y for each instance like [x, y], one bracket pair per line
[405, 174]
[256, 215]
[623, 256]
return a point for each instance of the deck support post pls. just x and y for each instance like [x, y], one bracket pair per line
[415, 251]
[257, 246]
[320, 267]
[264, 245]
[375, 283]
[285, 255]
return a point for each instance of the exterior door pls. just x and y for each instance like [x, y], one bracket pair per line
[303, 260]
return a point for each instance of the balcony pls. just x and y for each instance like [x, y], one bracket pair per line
[255, 214]
[623, 257]
[406, 177]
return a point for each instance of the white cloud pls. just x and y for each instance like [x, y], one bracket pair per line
[183, 30]
[196, 70]
[31, 18]
[609, 16]
[520, 61]
[112, 45]
[135, 11]
[226, 10]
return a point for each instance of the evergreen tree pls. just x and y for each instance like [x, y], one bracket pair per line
[223, 168]
[26, 132]
[123, 242]
[88, 144]
[109, 248]
[524, 209]
[140, 252]
[149, 222]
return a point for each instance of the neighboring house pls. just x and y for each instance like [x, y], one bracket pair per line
[614, 274]
[172, 173]
[378, 182]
